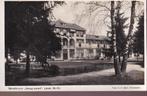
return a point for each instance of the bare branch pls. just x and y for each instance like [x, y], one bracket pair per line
[99, 5]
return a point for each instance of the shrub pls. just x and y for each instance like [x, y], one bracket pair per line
[53, 70]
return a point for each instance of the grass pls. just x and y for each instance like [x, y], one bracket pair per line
[17, 74]
[91, 78]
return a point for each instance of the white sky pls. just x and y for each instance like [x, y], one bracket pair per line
[78, 13]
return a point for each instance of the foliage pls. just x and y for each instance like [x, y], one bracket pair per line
[138, 45]
[120, 33]
[28, 29]
[116, 26]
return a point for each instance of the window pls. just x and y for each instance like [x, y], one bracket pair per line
[79, 44]
[58, 54]
[71, 34]
[72, 53]
[64, 30]
[57, 30]
[65, 42]
[65, 34]
[80, 34]
[90, 51]
[77, 34]
[80, 53]
[104, 46]
[80, 40]
[72, 43]
[98, 45]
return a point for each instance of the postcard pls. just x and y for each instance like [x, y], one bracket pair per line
[73, 45]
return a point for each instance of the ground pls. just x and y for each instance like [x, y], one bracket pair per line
[135, 75]
[103, 76]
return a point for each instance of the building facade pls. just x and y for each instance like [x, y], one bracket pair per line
[76, 44]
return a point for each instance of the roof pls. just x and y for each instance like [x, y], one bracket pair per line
[61, 24]
[95, 37]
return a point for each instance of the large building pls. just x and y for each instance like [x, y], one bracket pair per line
[76, 44]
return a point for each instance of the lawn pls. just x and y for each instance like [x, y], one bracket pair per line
[103, 77]
[74, 73]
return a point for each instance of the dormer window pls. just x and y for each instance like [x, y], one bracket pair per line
[71, 34]
[62, 23]
[57, 30]
[64, 34]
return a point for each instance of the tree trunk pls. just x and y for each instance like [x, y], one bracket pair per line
[6, 55]
[143, 57]
[137, 56]
[16, 61]
[7, 68]
[117, 67]
[115, 55]
[27, 64]
[127, 45]
[119, 58]
[124, 64]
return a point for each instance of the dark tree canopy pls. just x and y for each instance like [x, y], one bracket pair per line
[120, 33]
[138, 45]
[118, 45]
[29, 29]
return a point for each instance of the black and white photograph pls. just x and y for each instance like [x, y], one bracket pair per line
[74, 43]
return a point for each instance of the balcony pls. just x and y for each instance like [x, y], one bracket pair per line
[65, 47]
[91, 45]
[71, 47]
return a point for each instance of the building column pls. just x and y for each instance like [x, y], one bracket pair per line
[75, 55]
[132, 55]
[101, 54]
[61, 49]
[61, 54]
[94, 52]
[85, 53]
[85, 46]
[68, 49]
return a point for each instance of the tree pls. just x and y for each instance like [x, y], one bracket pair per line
[138, 46]
[120, 68]
[127, 41]
[119, 46]
[113, 38]
[120, 33]
[28, 28]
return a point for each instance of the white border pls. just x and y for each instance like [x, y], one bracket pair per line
[61, 87]
[145, 46]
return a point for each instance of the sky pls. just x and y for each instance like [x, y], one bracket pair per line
[96, 21]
